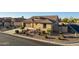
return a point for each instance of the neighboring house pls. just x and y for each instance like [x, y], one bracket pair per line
[7, 22]
[44, 23]
[18, 21]
[10, 22]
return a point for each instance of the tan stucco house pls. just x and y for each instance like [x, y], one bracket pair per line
[44, 23]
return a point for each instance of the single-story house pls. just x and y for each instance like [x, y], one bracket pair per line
[44, 23]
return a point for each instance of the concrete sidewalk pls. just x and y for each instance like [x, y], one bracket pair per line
[11, 32]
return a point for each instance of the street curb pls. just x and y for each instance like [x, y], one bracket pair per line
[35, 39]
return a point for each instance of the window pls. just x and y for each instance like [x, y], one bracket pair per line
[44, 25]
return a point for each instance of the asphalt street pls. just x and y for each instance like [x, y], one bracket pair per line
[8, 40]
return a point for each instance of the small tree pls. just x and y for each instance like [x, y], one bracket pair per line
[65, 20]
[22, 17]
[73, 20]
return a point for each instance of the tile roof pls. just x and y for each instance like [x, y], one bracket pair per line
[37, 21]
[46, 17]
[42, 19]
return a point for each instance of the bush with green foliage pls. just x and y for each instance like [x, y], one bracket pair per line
[70, 20]
[65, 20]
[49, 31]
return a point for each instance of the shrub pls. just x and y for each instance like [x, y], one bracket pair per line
[49, 31]
[43, 32]
[22, 28]
[23, 31]
[17, 31]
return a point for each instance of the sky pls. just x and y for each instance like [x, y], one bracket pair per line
[30, 14]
